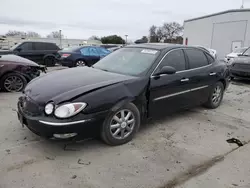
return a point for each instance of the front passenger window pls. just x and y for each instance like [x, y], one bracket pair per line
[174, 59]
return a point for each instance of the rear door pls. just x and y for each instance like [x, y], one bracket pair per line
[94, 55]
[201, 73]
[39, 51]
[170, 92]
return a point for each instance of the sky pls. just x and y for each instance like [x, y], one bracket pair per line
[82, 19]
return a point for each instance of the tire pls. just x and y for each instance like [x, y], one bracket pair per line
[126, 127]
[80, 63]
[49, 61]
[215, 96]
[16, 78]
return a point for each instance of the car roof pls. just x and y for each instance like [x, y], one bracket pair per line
[156, 46]
[38, 41]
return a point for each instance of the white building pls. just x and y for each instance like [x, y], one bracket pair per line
[223, 31]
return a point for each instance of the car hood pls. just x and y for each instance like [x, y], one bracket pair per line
[17, 59]
[63, 85]
[242, 60]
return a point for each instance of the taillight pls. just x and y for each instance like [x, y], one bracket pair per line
[65, 55]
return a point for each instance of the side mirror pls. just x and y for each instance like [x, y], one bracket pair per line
[167, 70]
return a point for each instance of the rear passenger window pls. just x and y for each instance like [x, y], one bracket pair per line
[174, 59]
[40, 46]
[196, 58]
[51, 46]
[93, 52]
[85, 51]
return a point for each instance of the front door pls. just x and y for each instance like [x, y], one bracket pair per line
[170, 92]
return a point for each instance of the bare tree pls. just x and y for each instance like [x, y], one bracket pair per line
[167, 32]
[32, 34]
[13, 33]
[94, 38]
[55, 34]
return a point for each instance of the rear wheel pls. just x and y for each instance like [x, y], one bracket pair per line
[121, 126]
[80, 63]
[49, 61]
[216, 96]
[13, 82]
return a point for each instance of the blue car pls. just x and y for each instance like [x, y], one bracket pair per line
[82, 55]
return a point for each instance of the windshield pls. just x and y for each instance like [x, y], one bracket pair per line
[15, 46]
[128, 61]
[239, 50]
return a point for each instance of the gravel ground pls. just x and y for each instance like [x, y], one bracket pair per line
[165, 153]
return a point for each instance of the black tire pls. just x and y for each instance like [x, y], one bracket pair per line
[21, 80]
[106, 134]
[49, 61]
[212, 103]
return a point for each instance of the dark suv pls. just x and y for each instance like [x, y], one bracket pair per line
[40, 52]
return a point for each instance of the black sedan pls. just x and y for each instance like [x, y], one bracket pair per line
[240, 66]
[113, 97]
[82, 56]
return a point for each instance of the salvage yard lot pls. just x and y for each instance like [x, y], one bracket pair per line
[163, 152]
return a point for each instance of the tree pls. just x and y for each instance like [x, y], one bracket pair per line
[144, 39]
[32, 34]
[94, 38]
[167, 32]
[55, 34]
[112, 39]
[13, 33]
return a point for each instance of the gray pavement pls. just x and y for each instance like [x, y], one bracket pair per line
[168, 152]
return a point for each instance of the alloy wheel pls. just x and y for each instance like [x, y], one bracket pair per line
[122, 124]
[217, 94]
[13, 84]
[80, 63]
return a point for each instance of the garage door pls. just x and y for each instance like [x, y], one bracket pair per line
[226, 35]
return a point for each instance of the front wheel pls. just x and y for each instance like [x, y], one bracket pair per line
[13, 82]
[121, 126]
[216, 96]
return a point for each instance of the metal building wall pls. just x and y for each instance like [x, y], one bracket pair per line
[220, 31]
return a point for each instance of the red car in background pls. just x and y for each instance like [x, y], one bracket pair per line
[16, 72]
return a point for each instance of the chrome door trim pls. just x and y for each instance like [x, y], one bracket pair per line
[152, 76]
[179, 93]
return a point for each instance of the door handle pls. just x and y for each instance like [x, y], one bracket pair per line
[185, 80]
[212, 73]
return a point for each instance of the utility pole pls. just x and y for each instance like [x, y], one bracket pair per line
[242, 6]
[60, 32]
[126, 39]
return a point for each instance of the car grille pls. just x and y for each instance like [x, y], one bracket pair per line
[241, 66]
[29, 107]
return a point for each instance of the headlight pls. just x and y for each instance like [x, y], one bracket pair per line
[49, 108]
[68, 110]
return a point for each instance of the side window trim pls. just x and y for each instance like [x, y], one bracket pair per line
[187, 62]
[182, 49]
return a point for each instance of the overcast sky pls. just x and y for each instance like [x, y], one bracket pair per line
[84, 18]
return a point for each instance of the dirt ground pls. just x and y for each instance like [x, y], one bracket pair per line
[166, 153]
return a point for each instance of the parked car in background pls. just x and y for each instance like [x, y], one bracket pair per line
[16, 72]
[40, 52]
[235, 53]
[240, 66]
[115, 95]
[82, 56]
